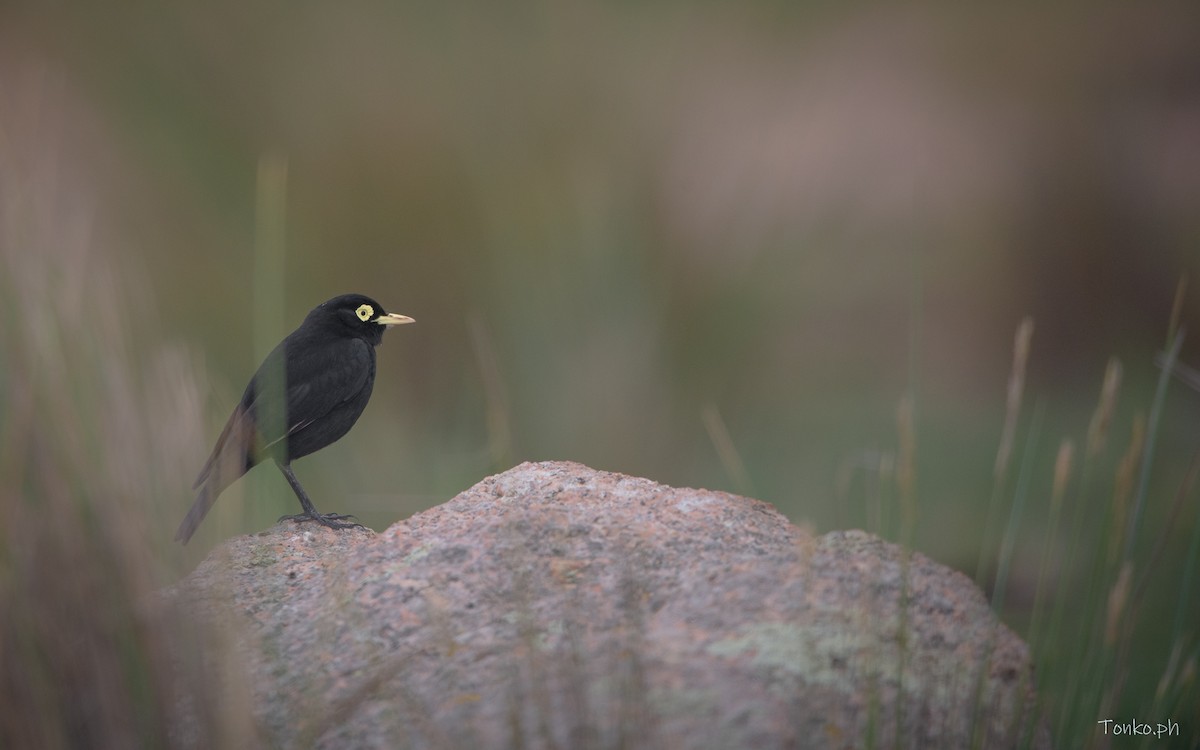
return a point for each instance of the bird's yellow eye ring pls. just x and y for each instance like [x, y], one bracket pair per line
[365, 312]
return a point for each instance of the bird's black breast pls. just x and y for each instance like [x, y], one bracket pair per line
[328, 383]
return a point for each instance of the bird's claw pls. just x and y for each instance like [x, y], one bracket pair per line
[329, 520]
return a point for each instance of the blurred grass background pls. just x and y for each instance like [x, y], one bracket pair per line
[716, 245]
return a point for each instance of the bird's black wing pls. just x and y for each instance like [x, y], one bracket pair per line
[319, 379]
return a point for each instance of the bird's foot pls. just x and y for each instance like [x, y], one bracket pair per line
[329, 520]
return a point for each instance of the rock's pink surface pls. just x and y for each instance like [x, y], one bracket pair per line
[558, 606]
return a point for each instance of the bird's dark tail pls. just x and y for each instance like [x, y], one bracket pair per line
[204, 500]
[232, 457]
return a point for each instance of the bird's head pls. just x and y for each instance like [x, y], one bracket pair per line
[361, 315]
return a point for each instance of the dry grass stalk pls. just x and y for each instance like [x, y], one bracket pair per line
[1016, 391]
[906, 461]
[731, 460]
[1097, 434]
[1118, 597]
[1176, 309]
[1062, 475]
[1127, 473]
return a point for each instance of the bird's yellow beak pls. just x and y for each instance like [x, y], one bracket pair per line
[393, 319]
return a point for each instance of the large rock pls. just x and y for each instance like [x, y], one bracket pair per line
[553, 606]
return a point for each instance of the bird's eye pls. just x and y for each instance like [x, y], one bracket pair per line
[364, 312]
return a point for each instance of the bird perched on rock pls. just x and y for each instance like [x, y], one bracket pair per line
[308, 392]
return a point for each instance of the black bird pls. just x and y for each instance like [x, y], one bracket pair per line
[308, 392]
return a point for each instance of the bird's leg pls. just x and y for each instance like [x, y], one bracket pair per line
[332, 520]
